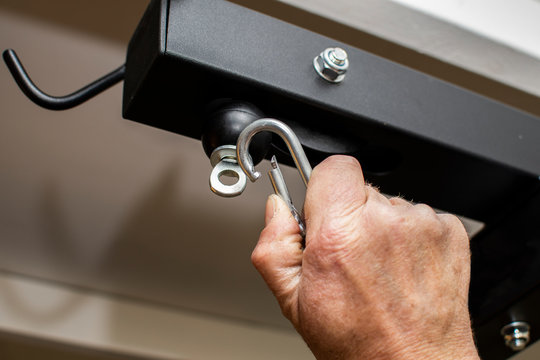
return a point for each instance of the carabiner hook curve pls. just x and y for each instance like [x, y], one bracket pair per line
[277, 127]
[296, 150]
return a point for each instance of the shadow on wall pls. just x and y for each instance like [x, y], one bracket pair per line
[173, 248]
[169, 249]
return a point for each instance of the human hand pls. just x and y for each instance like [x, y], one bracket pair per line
[378, 279]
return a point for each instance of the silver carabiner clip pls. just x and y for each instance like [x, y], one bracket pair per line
[295, 148]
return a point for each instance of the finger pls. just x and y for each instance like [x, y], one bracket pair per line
[456, 230]
[458, 248]
[336, 188]
[278, 254]
[375, 195]
[453, 223]
[400, 202]
[425, 213]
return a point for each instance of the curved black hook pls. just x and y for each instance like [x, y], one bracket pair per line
[61, 102]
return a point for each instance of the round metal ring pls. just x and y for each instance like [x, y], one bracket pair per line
[227, 168]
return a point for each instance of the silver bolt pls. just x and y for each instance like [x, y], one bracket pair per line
[332, 64]
[338, 56]
[516, 335]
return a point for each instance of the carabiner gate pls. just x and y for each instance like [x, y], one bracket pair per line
[276, 177]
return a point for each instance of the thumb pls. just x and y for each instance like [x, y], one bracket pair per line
[278, 254]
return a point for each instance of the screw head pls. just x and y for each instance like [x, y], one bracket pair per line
[338, 56]
[518, 344]
[516, 335]
[332, 64]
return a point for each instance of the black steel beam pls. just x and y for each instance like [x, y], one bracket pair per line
[413, 133]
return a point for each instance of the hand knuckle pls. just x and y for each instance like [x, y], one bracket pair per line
[425, 211]
[337, 161]
[396, 200]
[451, 221]
[427, 217]
[455, 227]
[259, 256]
[396, 222]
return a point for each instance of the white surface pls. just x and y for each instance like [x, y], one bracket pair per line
[60, 314]
[434, 37]
[514, 23]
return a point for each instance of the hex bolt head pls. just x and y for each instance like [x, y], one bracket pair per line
[332, 64]
[516, 335]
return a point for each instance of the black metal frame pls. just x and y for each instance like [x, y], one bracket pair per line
[415, 135]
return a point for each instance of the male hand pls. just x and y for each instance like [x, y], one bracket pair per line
[378, 279]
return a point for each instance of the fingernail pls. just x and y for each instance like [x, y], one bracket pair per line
[271, 208]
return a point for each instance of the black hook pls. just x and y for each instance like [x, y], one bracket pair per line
[61, 102]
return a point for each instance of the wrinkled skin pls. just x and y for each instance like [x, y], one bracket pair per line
[378, 279]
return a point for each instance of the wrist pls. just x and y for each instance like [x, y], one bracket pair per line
[463, 349]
